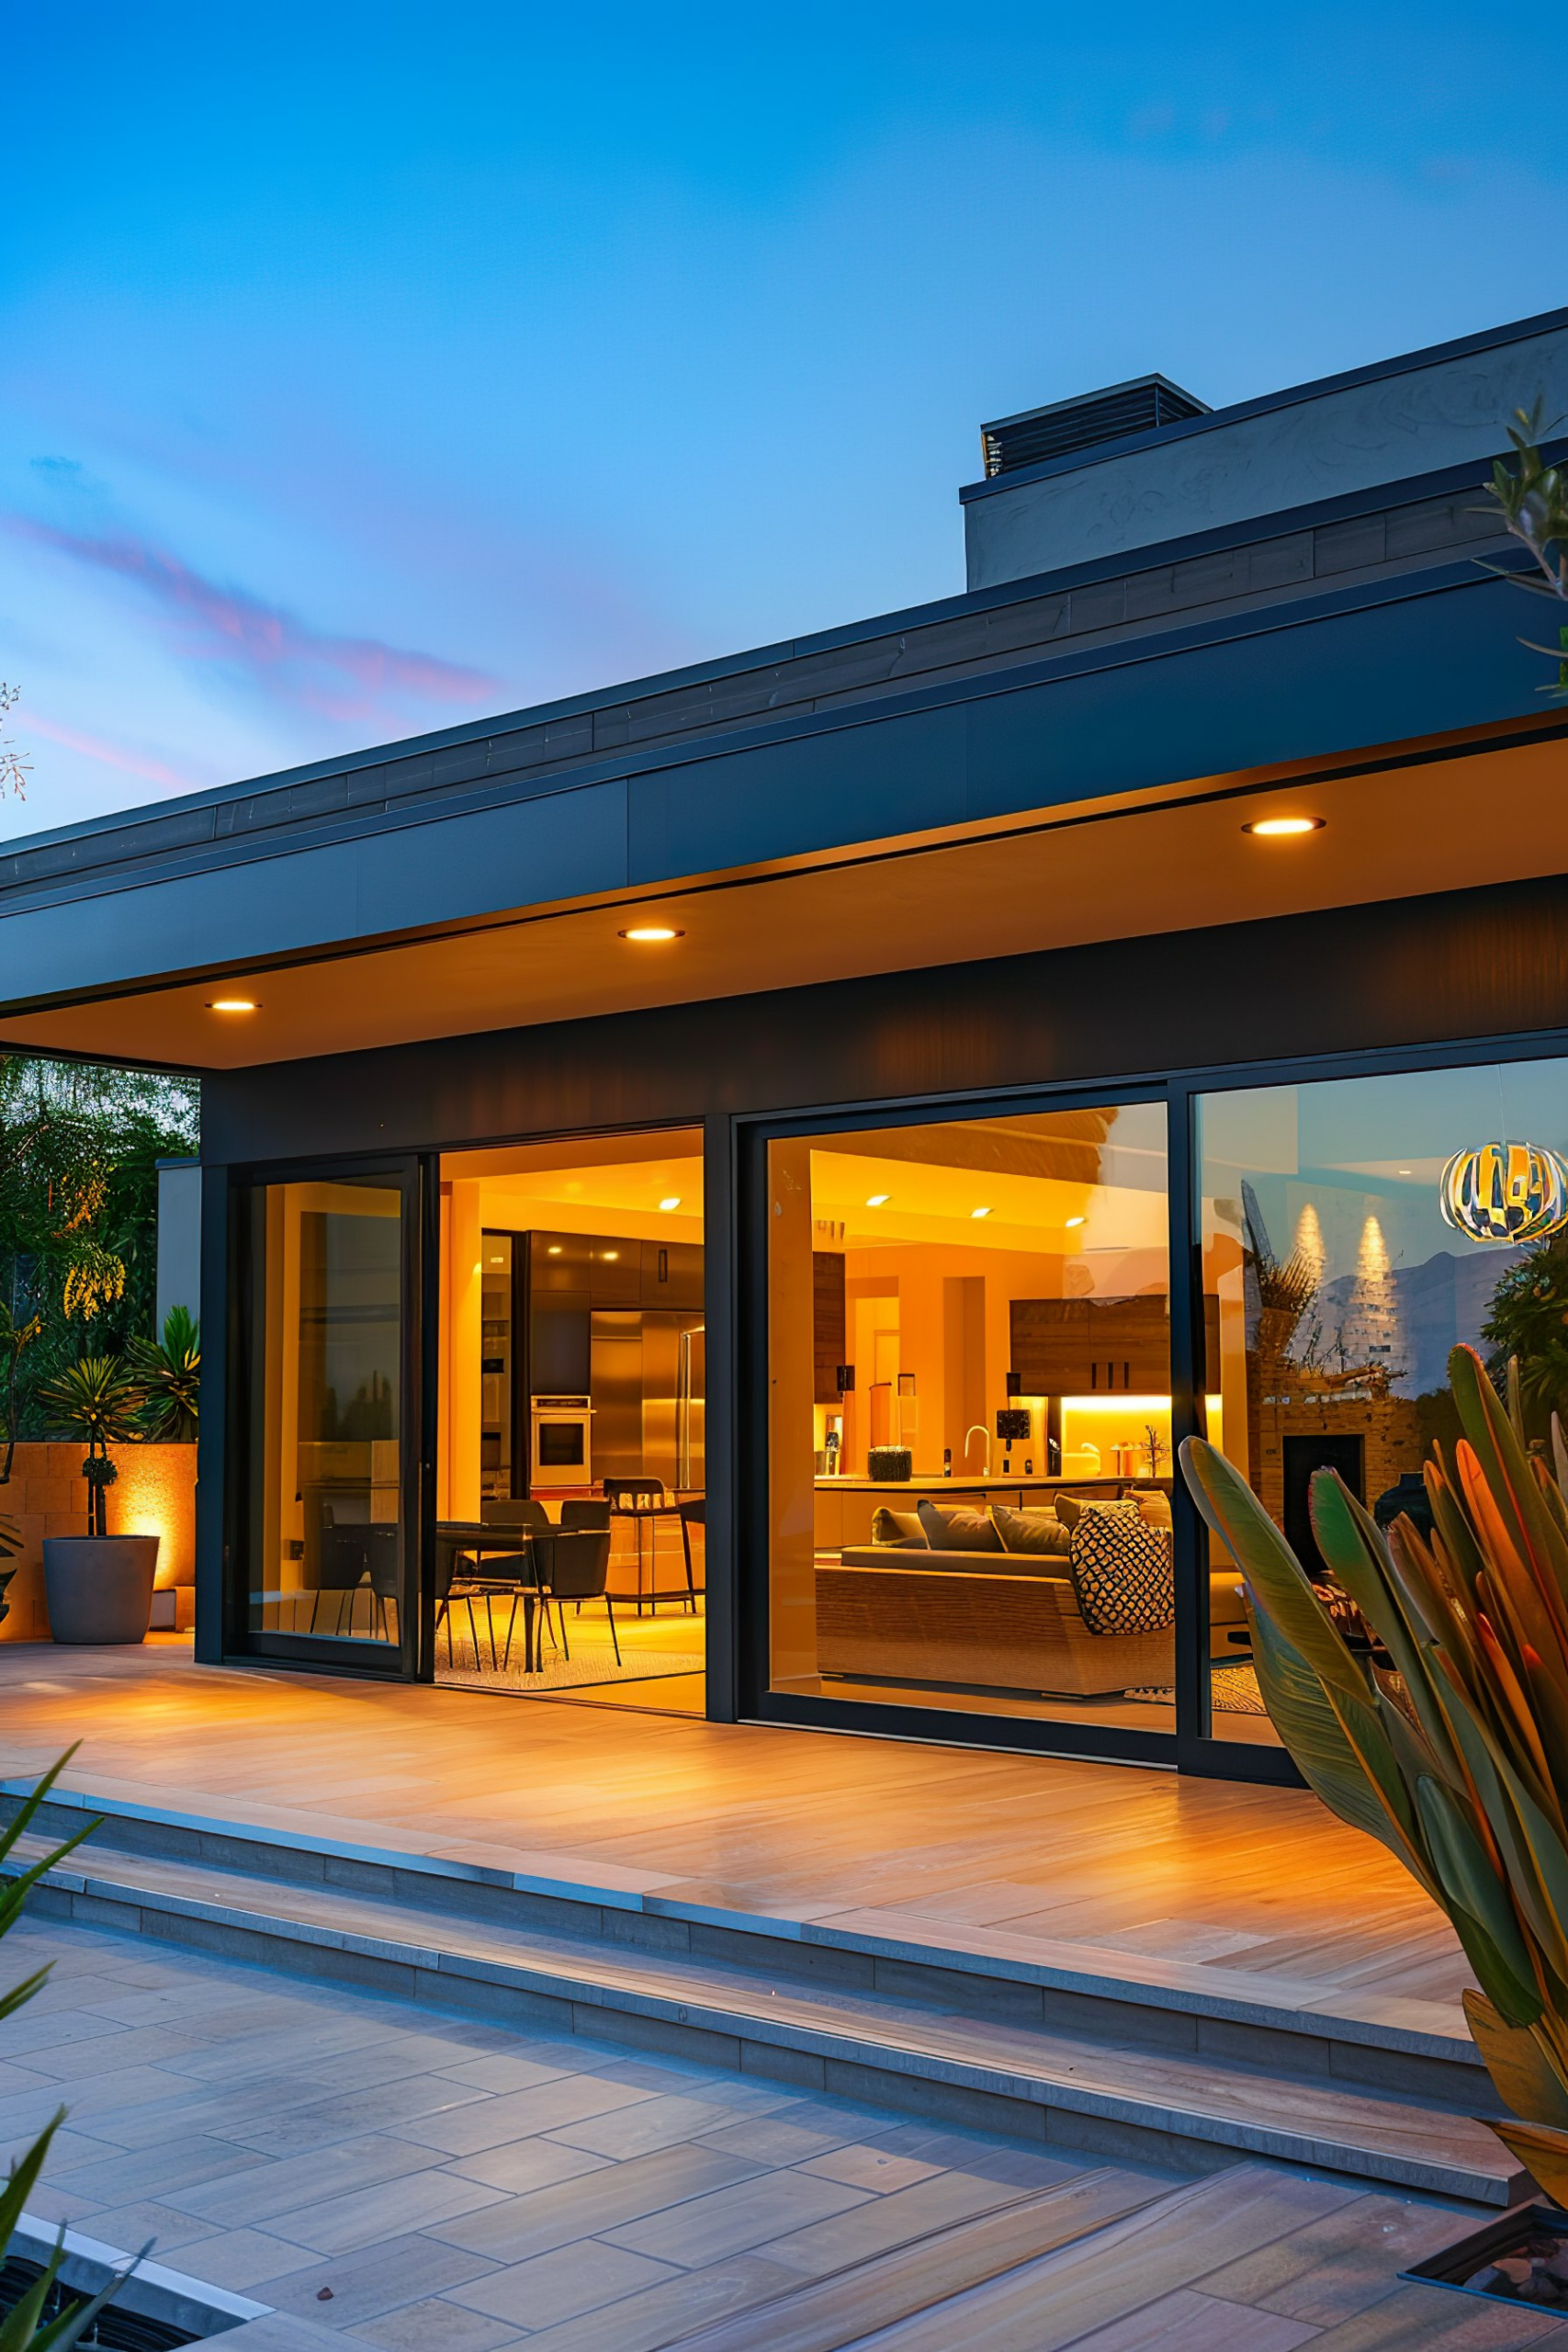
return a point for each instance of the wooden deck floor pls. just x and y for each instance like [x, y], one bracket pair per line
[1131, 1873]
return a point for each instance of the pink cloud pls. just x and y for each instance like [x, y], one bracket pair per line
[284, 655]
[113, 755]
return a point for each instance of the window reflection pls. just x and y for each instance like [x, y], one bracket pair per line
[1335, 1288]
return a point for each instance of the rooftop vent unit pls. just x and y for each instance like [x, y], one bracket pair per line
[1066, 426]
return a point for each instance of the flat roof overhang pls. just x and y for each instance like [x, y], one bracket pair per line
[1096, 797]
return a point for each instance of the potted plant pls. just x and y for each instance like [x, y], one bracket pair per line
[99, 1585]
[1442, 1730]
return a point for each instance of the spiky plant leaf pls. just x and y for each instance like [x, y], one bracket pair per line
[1518, 2065]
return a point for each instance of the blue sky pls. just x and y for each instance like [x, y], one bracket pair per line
[367, 369]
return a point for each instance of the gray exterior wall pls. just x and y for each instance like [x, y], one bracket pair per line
[1444, 407]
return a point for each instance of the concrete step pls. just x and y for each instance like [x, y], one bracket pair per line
[1416, 2050]
[1126, 2097]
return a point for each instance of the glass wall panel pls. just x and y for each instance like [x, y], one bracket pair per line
[327, 1534]
[969, 1441]
[1336, 1286]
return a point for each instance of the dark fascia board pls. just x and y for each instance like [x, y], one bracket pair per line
[1193, 545]
[1160, 436]
[909, 700]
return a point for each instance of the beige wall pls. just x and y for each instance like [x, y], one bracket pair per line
[154, 1495]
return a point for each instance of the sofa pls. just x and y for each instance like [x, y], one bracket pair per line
[996, 1620]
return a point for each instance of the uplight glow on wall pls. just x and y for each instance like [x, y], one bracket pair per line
[1505, 1192]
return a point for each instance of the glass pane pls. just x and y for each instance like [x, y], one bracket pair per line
[570, 1465]
[327, 1554]
[969, 1370]
[1335, 1285]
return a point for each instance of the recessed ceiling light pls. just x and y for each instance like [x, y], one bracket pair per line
[1404, 1171]
[979, 1212]
[553, 1250]
[611, 1253]
[672, 1203]
[1077, 1220]
[1283, 827]
[652, 934]
[878, 1199]
[232, 1004]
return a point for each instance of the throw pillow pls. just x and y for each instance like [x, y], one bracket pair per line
[1154, 1505]
[1121, 1571]
[957, 1530]
[899, 1528]
[1032, 1531]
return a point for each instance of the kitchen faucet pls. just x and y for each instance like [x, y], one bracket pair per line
[985, 1432]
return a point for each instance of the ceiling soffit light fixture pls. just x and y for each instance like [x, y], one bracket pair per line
[232, 1004]
[1505, 1192]
[979, 1212]
[1072, 1221]
[672, 1203]
[1275, 828]
[878, 1199]
[652, 934]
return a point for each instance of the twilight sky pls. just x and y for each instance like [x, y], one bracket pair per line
[367, 368]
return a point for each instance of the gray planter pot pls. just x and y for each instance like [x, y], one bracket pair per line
[99, 1586]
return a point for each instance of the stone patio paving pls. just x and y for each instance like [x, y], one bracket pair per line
[404, 2178]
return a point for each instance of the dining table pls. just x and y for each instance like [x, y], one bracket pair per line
[476, 1537]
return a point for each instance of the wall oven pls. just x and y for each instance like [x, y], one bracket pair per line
[560, 1448]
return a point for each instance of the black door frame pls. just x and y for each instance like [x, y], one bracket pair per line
[1053, 1735]
[411, 1658]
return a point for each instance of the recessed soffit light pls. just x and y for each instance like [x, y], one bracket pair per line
[1075, 1220]
[232, 1004]
[1283, 827]
[878, 1199]
[979, 1212]
[553, 1250]
[652, 934]
[672, 1203]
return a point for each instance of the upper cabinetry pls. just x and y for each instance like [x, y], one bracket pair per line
[598, 1272]
[1080, 1346]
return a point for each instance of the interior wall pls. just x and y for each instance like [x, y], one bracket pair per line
[463, 1321]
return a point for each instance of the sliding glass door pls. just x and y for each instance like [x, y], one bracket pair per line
[331, 1536]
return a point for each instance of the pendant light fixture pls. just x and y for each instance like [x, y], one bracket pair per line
[1505, 1192]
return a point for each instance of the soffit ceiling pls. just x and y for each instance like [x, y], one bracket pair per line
[1166, 863]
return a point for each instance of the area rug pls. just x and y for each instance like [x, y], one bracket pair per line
[583, 1666]
[1232, 1692]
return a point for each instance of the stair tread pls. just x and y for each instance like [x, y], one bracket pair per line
[1311, 2116]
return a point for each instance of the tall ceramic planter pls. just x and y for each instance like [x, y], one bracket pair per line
[99, 1586]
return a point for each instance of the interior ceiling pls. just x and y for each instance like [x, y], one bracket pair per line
[929, 1203]
[1451, 823]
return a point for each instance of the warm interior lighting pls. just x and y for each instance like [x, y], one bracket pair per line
[611, 1253]
[1282, 827]
[553, 1250]
[878, 1199]
[652, 934]
[1075, 1220]
[234, 1004]
[672, 1203]
[979, 1212]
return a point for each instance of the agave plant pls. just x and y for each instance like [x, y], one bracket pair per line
[1447, 1735]
[25, 2327]
[99, 1398]
[168, 1372]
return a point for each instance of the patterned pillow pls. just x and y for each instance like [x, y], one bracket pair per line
[1122, 1572]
